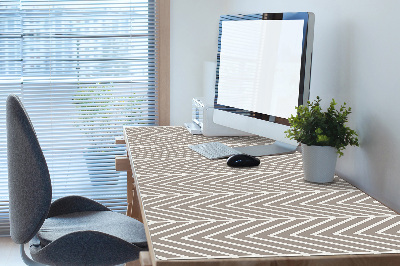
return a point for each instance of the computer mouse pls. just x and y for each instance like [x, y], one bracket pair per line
[242, 160]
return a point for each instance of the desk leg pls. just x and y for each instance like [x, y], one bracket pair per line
[133, 210]
[145, 259]
[133, 199]
[129, 192]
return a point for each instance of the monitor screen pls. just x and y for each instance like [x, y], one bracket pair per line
[260, 63]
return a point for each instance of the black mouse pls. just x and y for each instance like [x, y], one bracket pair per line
[242, 160]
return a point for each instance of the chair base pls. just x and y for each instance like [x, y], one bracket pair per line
[26, 259]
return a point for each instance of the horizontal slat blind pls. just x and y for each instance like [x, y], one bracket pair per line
[10, 82]
[83, 70]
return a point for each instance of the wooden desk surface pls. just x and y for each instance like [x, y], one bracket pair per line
[201, 210]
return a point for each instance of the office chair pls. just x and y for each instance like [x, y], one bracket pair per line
[70, 231]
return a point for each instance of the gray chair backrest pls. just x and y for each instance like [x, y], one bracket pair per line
[29, 184]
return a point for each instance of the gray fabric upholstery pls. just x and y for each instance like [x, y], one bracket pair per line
[111, 223]
[86, 248]
[28, 176]
[72, 204]
[79, 231]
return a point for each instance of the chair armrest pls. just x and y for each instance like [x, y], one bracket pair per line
[72, 204]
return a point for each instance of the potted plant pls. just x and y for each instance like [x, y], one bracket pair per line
[323, 135]
[100, 107]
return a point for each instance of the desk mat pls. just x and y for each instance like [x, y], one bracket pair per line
[198, 208]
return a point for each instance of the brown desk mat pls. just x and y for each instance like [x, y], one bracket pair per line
[199, 209]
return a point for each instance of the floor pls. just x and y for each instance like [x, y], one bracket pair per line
[9, 253]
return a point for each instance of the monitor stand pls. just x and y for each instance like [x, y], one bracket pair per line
[276, 148]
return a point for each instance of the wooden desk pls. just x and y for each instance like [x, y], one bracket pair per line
[201, 212]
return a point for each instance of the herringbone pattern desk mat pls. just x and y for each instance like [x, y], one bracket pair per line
[198, 208]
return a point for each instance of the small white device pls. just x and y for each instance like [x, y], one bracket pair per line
[202, 122]
[195, 127]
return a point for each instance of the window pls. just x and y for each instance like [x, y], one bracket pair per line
[83, 70]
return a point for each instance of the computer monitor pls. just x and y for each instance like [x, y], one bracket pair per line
[263, 73]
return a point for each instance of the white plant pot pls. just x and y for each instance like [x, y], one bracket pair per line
[319, 163]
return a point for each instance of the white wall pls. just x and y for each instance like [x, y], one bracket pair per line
[356, 59]
[194, 40]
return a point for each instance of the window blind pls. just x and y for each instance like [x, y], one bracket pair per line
[83, 70]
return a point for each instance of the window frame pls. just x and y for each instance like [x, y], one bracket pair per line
[163, 88]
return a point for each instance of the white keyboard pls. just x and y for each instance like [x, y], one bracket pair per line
[214, 150]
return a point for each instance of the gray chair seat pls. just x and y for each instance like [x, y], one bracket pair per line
[107, 222]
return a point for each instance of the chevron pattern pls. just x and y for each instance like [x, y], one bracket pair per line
[277, 205]
[197, 208]
[275, 237]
